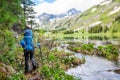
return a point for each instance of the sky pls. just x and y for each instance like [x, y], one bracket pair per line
[61, 6]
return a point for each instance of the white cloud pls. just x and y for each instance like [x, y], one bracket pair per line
[60, 6]
[41, 0]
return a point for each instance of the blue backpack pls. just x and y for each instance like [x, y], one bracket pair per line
[28, 39]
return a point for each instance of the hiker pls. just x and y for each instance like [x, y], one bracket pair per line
[28, 46]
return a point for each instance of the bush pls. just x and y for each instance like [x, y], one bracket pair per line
[88, 47]
[96, 29]
[7, 46]
[69, 32]
[109, 51]
[115, 27]
[105, 29]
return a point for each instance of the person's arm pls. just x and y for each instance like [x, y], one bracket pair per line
[22, 43]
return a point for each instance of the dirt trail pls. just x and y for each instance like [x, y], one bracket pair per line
[34, 75]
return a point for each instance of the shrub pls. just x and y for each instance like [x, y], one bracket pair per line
[115, 27]
[88, 47]
[109, 51]
[7, 46]
[96, 29]
[69, 32]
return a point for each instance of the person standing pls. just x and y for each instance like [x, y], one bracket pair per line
[28, 46]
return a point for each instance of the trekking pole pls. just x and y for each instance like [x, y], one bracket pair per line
[40, 51]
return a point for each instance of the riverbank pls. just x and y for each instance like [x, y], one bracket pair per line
[108, 51]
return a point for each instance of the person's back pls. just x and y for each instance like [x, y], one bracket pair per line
[28, 38]
[27, 44]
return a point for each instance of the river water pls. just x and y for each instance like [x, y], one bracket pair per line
[95, 68]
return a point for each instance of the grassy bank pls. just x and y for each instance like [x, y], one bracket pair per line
[109, 51]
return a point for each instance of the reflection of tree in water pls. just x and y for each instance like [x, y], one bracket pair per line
[115, 37]
[106, 38]
[68, 37]
[98, 38]
[83, 37]
[95, 38]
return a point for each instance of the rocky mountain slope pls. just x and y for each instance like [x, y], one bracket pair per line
[46, 19]
[105, 14]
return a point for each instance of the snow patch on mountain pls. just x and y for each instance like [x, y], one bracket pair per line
[106, 2]
[116, 9]
[94, 9]
[96, 23]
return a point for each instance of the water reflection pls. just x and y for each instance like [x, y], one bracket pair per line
[98, 38]
[68, 37]
[93, 37]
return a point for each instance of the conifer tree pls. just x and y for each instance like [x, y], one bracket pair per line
[28, 12]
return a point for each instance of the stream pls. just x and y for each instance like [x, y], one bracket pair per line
[95, 68]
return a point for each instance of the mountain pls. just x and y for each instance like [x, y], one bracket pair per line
[73, 11]
[70, 12]
[100, 15]
[46, 17]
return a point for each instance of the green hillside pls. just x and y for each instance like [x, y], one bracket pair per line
[106, 16]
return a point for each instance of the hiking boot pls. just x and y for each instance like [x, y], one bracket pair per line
[34, 67]
[26, 72]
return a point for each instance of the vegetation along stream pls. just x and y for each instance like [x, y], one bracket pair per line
[96, 67]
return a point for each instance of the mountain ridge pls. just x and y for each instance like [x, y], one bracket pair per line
[99, 14]
[46, 17]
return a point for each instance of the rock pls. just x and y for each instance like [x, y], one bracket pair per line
[117, 71]
[2, 68]
[108, 42]
[2, 72]
[10, 69]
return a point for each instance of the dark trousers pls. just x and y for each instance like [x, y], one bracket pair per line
[29, 55]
